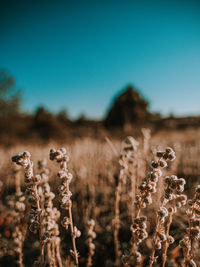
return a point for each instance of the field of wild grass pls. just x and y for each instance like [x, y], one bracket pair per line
[128, 202]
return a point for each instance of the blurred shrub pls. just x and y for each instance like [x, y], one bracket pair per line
[48, 126]
[10, 97]
[127, 109]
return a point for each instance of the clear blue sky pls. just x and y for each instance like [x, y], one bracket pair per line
[78, 54]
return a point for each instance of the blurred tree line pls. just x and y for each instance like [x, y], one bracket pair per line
[128, 109]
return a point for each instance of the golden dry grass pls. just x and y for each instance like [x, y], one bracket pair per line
[95, 171]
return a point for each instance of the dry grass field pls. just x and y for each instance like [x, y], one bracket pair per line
[117, 210]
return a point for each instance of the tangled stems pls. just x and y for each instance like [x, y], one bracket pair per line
[166, 242]
[147, 187]
[158, 233]
[174, 198]
[193, 231]
[61, 157]
[149, 184]
[144, 198]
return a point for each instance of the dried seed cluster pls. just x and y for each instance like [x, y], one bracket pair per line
[138, 229]
[171, 200]
[144, 198]
[24, 160]
[132, 259]
[149, 184]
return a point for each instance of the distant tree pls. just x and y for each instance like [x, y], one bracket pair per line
[47, 125]
[63, 116]
[128, 108]
[171, 115]
[10, 97]
[82, 118]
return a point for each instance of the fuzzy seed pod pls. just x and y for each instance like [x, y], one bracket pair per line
[77, 233]
[162, 236]
[170, 239]
[160, 154]
[171, 156]
[169, 150]
[158, 245]
[163, 163]
[155, 164]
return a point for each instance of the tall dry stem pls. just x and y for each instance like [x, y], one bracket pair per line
[193, 230]
[166, 242]
[170, 201]
[91, 246]
[61, 157]
[24, 160]
[129, 146]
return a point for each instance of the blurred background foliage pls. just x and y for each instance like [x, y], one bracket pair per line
[128, 112]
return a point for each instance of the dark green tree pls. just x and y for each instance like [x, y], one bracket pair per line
[10, 97]
[47, 125]
[128, 108]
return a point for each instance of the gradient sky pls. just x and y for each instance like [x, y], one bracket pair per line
[78, 54]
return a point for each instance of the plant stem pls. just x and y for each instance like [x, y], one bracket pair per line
[117, 223]
[165, 243]
[71, 222]
[154, 243]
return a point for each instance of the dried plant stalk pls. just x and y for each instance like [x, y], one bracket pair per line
[146, 141]
[159, 236]
[19, 206]
[24, 160]
[166, 242]
[193, 231]
[91, 246]
[173, 198]
[129, 146]
[61, 157]
[144, 198]
[117, 223]
[50, 229]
